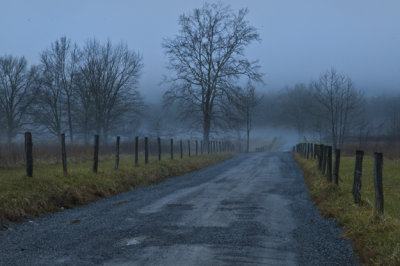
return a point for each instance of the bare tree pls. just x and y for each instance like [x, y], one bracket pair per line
[83, 107]
[17, 85]
[109, 75]
[67, 66]
[246, 103]
[392, 111]
[58, 65]
[340, 103]
[208, 59]
[297, 108]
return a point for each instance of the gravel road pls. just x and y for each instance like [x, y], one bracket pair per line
[250, 210]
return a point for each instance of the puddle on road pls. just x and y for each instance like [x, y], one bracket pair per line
[130, 241]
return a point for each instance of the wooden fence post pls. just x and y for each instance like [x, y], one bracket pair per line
[378, 167]
[136, 150]
[189, 148]
[159, 148]
[357, 177]
[64, 154]
[96, 153]
[315, 147]
[336, 167]
[329, 163]
[117, 153]
[172, 149]
[181, 147]
[307, 147]
[28, 153]
[324, 152]
[312, 150]
[146, 150]
[197, 147]
[201, 147]
[320, 151]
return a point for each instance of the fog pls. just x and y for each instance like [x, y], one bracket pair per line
[299, 40]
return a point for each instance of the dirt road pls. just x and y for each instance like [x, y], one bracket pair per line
[250, 210]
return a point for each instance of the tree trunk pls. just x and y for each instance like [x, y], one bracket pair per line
[248, 141]
[206, 130]
[9, 137]
[248, 130]
[71, 136]
[9, 131]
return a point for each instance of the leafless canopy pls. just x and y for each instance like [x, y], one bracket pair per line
[17, 90]
[110, 75]
[207, 57]
[59, 70]
[340, 103]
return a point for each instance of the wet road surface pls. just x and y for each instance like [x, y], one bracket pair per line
[250, 210]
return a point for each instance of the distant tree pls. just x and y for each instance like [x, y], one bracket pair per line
[59, 70]
[17, 91]
[83, 107]
[340, 103]
[109, 75]
[246, 104]
[208, 59]
[392, 111]
[296, 108]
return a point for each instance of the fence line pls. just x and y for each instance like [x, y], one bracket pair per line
[213, 147]
[323, 154]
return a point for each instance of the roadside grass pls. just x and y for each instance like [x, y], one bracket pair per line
[49, 190]
[375, 238]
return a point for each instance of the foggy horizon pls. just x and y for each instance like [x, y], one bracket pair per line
[214, 132]
[299, 41]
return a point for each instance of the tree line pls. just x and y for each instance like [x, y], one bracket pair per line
[92, 89]
[210, 90]
[332, 110]
[78, 90]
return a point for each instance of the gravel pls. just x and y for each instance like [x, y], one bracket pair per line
[250, 210]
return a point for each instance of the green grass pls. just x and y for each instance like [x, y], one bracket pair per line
[375, 238]
[49, 190]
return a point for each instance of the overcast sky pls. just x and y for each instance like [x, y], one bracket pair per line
[300, 39]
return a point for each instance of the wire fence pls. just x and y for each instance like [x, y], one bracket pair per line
[371, 174]
[139, 150]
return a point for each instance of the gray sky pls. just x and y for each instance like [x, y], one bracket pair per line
[300, 39]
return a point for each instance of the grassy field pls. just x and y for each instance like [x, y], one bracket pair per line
[376, 239]
[49, 190]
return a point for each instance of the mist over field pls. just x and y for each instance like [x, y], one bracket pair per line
[228, 132]
[121, 68]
